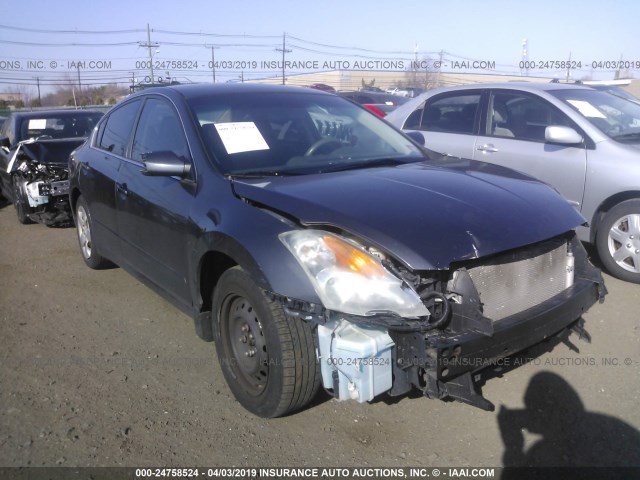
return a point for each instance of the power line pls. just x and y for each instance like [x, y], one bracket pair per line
[49, 44]
[219, 35]
[82, 32]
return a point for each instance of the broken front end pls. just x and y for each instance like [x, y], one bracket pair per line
[40, 178]
[479, 312]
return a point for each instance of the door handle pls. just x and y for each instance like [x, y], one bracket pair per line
[122, 188]
[487, 148]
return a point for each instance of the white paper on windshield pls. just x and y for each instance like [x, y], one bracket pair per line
[37, 124]
[239, 137]
[586, 109]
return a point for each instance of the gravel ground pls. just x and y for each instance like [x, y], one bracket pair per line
[97, 370]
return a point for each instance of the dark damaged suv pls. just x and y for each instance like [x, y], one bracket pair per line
[34, 152]
[318, 245]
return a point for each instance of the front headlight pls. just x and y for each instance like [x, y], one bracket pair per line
[348, 279]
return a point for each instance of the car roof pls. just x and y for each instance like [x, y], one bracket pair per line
[523, 85]
[53, 113]
[204, 89]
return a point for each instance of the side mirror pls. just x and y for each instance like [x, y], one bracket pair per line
[563, 135]
[416, 137]
[165, 164]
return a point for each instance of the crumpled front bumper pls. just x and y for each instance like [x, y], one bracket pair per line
[362, 357]
[443, 364]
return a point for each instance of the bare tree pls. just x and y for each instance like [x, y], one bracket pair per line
[25, 94]
[68, 94]
[422, 74]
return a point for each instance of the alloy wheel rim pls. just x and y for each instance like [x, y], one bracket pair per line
[84, 233]
[624, 242]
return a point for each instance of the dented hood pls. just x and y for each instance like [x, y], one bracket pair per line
[425, 214]
[45, 151]
[52, 152]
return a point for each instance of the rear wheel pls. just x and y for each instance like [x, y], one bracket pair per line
[90, 255]
[618, 241]
[268, 359]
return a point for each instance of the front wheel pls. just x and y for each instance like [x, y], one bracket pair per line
[90, 255]
[20, 202]
[618, 241]
[267, 358]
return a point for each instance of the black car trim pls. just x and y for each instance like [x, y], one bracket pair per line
[100, 130]
[193, 173]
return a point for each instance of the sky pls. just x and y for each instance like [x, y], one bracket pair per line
[53, 43]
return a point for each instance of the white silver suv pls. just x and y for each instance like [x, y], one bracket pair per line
[583, 142]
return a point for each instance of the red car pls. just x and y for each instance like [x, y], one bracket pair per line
[323, 87]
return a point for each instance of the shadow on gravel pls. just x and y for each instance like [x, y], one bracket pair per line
[571, 436]
[68, 224]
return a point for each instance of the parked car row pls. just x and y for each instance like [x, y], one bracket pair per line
[405, 91]
[582, 141]
[318, 245]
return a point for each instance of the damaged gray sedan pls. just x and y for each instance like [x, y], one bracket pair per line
[34, 148]
[317, 245]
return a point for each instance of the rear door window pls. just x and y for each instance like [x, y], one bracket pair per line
[448, 113]
[118, 128]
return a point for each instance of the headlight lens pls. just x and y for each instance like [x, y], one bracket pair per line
[348, 279]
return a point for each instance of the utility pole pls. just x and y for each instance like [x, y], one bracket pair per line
[618, 72]
[150, 55]
[414, 70]
[79, 84]
[525, 57]
[39, 99]
[150, 45]
[568, 67]
[284, 51]
[213, 61]
[440, 69]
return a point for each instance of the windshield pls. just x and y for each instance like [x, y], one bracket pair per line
[65, 125]
[616, 117]
[613, 90]
[296, 133]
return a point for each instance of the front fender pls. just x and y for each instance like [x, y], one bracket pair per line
[249, 238]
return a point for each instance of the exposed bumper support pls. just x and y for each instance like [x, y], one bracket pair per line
[442, 365]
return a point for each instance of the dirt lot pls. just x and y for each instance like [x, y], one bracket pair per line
[97, 370]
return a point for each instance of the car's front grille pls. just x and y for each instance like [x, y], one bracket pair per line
[520, 280]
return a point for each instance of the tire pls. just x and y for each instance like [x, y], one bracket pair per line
[618, 241]
[267, 358]
[84, 228]
[21, 203]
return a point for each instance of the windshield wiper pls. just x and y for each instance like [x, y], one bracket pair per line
[381, 162]
[627, 136]
[262, 174]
